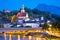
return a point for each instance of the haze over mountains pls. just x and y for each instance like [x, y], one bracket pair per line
[49, 8]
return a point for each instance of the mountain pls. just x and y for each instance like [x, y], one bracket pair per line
[49, 8]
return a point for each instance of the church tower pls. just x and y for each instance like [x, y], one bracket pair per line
[22, 9]
[22, 15]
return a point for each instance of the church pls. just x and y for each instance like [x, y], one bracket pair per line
[22, 15]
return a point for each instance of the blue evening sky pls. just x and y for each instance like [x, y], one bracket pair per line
[16, 4]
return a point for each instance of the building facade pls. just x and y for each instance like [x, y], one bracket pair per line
[22, 15]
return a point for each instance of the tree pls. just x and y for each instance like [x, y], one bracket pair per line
[57, 23]
[13, 18]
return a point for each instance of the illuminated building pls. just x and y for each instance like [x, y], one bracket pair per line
[6, 11]
[42, 20]
[33, 24]
[22, 15]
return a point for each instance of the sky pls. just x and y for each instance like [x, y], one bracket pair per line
[16, 4]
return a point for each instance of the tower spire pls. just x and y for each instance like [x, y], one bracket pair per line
[22, 9]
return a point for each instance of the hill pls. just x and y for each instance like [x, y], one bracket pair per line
[49, 8]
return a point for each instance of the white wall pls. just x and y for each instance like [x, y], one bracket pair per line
[33, 25]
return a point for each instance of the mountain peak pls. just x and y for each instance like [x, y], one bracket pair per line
[50, 8]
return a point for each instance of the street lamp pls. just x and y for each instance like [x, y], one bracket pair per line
[48, 21]
[50, 25]
[47, 31]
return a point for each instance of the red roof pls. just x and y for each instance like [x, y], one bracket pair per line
[21, 14]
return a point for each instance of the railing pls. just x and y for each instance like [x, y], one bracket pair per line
[17, 29]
